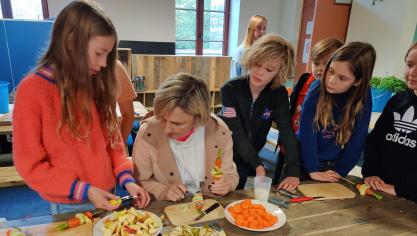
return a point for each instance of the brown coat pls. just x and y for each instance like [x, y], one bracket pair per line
[156, 168]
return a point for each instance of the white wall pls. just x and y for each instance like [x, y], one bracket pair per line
[283, 19]
[389, 26]
[137, 20]
[290, 21]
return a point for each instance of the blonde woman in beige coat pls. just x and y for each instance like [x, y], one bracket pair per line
[177, 145]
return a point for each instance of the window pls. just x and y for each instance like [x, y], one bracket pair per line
[201, 27]
[25, 9]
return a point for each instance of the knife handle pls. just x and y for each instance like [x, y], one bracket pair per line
[212, 207]
[301, 199]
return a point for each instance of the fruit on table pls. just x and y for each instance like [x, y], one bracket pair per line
[367, 190]
[198, 201]
[249, 215]
[79, 219]
[127, 222]
[14, 232]
[194, 231]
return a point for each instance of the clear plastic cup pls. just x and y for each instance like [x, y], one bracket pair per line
[262, 186]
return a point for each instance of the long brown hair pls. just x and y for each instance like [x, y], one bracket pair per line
[361, 57]
[267, 47]
[253, 24]
[67, 54]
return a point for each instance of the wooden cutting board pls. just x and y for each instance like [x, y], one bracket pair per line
[51, 230]
[326, 190]
[185, 213]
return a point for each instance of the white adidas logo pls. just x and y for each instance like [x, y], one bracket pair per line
[405, 124]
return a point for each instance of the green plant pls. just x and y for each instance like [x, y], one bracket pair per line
[390, 83]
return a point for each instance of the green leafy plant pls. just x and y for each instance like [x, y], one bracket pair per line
[390, 83]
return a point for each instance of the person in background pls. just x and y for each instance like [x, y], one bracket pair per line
[177, 146]
[66, 139]
[125, 99]
[250, 104]
[320, 54]
[256, 29]
[336, 113]
[390, 156]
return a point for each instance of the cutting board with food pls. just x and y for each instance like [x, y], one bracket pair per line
[51, 230]
[185, 213]
[326, 191]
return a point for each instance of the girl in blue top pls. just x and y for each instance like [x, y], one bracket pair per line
[336, 114]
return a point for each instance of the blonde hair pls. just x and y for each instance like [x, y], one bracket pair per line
[268, 47]
[361, 57]
[324, 48]
[253, 24]
[67, 54]
[186, 92]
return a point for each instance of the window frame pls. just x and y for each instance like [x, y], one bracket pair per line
[6, 7]
[199, 41]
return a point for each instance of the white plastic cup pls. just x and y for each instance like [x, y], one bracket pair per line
[262, 186]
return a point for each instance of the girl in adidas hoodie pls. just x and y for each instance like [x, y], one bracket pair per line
[390, 155]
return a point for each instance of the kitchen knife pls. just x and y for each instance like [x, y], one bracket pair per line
[208, 210]
[120, 200]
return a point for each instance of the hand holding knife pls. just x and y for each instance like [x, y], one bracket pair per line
[119, 201]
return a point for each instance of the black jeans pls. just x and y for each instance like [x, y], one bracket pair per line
[244, 170]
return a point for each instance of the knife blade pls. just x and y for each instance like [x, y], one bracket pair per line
[208, 210]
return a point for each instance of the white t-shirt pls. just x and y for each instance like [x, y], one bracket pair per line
[189, 156]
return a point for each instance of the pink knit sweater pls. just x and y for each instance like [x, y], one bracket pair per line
[60, 167]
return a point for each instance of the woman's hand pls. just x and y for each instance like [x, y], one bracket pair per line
[176, 192]
[325, 176]
[142, 197]
[220, 187]
[375, 183]
[260, 171]
[100, 198]
[289, 183]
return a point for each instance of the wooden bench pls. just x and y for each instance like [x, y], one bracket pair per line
[10, 177]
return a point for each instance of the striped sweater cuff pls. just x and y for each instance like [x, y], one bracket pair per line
[79, 190]
[125, 177]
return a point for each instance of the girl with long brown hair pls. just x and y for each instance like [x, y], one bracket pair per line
[67, 144]
[336, 113]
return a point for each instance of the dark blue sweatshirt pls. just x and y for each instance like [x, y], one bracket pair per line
[318, 146]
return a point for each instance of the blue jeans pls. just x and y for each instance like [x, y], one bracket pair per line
[59, 208]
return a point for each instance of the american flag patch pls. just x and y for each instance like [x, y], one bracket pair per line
[228, 112]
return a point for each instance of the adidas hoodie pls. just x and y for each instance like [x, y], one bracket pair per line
[391, 150]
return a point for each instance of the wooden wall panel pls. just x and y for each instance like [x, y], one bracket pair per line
[156, 68]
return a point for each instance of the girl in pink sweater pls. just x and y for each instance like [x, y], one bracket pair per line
[67, 144]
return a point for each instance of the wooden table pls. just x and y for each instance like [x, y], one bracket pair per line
[357, 216]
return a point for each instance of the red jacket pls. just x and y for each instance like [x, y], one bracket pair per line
[60, 167]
